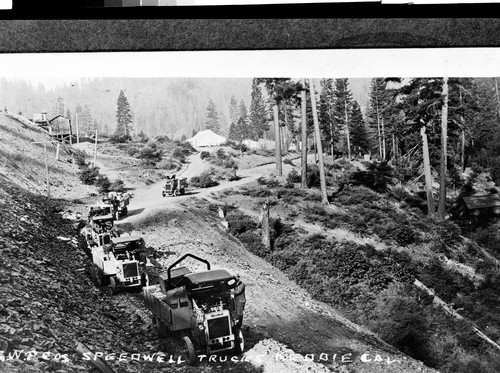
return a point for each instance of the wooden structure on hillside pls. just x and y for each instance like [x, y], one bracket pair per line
[58, 127]
[479, 207]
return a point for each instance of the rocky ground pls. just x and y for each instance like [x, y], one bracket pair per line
[48, 305]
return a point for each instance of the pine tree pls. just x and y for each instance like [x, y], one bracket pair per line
[212, 121]
[342, 109]
[359, 135]
[378, 114]
[327, 122]
[123, 117]
[86, 121]
[259, 120]
[234, 113]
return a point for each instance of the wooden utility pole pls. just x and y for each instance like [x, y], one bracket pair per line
[264, 220]
[427, 172]
[77, 130]
[319, 146]
[444, 152]
[46, 161]
[95, 148]
[277, 140]
[304, 135]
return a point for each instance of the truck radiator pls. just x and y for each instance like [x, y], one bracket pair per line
[130, 270]
[218, 327]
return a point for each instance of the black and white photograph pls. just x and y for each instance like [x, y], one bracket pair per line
[250, 211]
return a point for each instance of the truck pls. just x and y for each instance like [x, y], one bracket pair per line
[205, 308]
[174, 187]
[119, 264]
[118, 203]
[99, 230]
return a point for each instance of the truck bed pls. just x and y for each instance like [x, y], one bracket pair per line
[176, 318]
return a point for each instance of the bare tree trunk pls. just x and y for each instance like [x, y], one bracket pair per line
[462, 156]
[277, 141]
[379, 131]
[444, 153]
[347, 131]
[304, 135]
[463, 150]
[427, 172]
[384, 154]
[318, 143]
[498, 96]
[264, 218]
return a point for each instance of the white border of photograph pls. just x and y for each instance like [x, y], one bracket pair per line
[467, 62]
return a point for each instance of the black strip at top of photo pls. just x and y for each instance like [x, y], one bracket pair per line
[84, 25]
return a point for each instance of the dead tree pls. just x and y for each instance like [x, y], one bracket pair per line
[304, 135]
[319, 146]
[444, 153]
[264, 221]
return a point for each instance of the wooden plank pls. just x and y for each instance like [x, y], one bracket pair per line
[96, 363]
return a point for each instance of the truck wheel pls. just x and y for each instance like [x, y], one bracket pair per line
[163, 194]
[190, 352]
[98, 278]
[124, 211]
[144, 280]
[183, 191]
[160, 327]
[239, 342]
[111, 288]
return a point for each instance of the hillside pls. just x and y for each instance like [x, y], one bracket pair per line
[339, 280]
[49, 303]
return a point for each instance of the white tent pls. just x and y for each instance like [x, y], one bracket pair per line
[206, 138]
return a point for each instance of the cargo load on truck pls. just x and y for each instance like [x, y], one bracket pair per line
[203, 308]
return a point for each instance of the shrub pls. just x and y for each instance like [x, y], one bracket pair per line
[377, 177]
[143, 137]
[132, 151]
[162, 139]
[205, 180]
[102, 181]
[151, 152]
[167, 164]
[88, 175]
[313, 179]
[80, 157]
[117, 186]
[115, 138]
[204, 155]
[495, 170]
[271, 182]
[293, 177]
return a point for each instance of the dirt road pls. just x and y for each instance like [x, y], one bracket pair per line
[287, 330]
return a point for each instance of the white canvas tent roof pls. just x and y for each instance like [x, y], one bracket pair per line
[206, 138]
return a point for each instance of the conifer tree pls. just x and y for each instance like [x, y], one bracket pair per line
[123, 117]
[326, 111]
[359, 135]
[342, 106]
[212, 119]
[259, 121]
